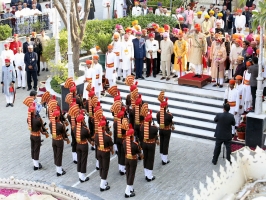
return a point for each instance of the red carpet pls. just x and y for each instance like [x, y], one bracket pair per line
[235, 147]
[189, 79]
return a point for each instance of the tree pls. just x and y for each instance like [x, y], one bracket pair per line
[77, 26]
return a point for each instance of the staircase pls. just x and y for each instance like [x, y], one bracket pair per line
[193, 109]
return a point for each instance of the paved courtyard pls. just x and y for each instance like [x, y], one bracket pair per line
[190, 161]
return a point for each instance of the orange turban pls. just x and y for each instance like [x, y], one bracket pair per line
[248, 63]
[232, 82]
[238, 77]
[88, 62]
[258, 38]
[238, 41]
[197, 27]
[116, 35]
[257, 51]
[161, 30]
[95, 57]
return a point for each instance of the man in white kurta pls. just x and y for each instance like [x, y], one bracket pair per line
[116, 49]
[236, 50]
[106, 9]
[98, 69]
[231, 97]
[240, 106]
[119, 8]
[89, 78]
[152, 46]
[20, 67]
[126, 56]
[136, 10]
[7, 54]
[7, 82]
[110, 72]
[240, 22]
[247, 98]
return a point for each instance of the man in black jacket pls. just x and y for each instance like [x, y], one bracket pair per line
[223, 133]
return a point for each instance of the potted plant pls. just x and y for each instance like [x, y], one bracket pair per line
[241, 129]
[102, 41]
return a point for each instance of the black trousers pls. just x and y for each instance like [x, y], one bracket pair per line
[253, 93]
[104, 163]
[32, 74]
[149, 154]
[73, 142]
[217, 149]
[39, 63]
[120, 151]
[131, 166]
[58, 147]
[158, 63]
[164, 141]
[154, 67]
[35, 146]
[82, 154]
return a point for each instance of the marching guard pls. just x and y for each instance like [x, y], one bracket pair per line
[165, 120]
[149, 133]
[82, 134]
[132, 150]
[59, 135]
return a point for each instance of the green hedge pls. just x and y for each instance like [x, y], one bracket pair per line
[93, 27]
[5, 32]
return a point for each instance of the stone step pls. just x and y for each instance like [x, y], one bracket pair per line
[176, 96]
[156, 85]
[178, 119]
[172, 104]
[179, 129]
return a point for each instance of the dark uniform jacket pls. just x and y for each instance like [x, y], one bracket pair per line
[134, 148]
[168, 118]
[31, 58]
[224, 121]
[84, 133]
[107, 140]
[37, 45]
[92, 10]
[36, 124]
[60, 130]
[152, 133]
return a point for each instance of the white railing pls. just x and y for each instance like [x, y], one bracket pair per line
[43, 188]
[247, 166]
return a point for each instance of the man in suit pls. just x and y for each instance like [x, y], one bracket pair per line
[224, 13]
[30, 60]
[228, 24]
[253, 69]
[189, 17]
[139, 54]
[28, 2]
[223, 133]
[26, 44]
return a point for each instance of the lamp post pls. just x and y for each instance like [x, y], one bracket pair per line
[69, 52]
[259, 92]
[56, 36]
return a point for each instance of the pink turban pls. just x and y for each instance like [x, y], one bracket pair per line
[212, 30]
[250, 38]
[178, 10]
[249, 50]
[165, 34]
[175, 31]
[253, 42]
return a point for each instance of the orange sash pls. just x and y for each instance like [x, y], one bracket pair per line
[110, 65]
[232, 104]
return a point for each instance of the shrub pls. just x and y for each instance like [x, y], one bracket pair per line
[60, 75]
[49, 49]
[5, 32]
[103, 40]
[94, 27]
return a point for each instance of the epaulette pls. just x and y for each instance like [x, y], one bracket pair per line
[136, 143]
[108, 135]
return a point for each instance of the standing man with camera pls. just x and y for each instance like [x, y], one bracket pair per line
[223, 133]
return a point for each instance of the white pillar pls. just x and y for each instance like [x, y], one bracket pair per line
[259, 92]
[69, 53]
[57, 48]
